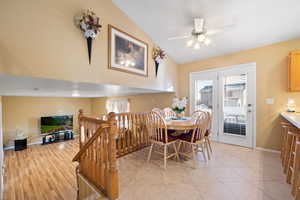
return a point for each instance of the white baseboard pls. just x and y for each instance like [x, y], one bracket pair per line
[267, 150]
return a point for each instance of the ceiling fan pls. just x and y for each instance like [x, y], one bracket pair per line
[199, 34]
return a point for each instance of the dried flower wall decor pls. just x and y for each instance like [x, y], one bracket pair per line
[89, 24]
[158, 55]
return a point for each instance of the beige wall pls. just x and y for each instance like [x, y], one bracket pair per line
[24, 113]
[138, 103]
[39, 38]
[271, 78]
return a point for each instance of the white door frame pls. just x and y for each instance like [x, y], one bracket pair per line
[194, 75]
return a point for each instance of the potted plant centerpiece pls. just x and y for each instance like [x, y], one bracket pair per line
[179, 106]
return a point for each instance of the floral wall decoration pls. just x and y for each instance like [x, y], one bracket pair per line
[158, 55]
[89, 24]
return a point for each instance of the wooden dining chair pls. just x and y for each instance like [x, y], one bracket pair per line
[169, 113]
[208, 134]
[195, 138]
[158, 132]
[196, 113]
[194, 116]
[159, 111]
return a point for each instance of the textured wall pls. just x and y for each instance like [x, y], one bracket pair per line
[41, 40]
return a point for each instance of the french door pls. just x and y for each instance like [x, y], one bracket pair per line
[229, 94]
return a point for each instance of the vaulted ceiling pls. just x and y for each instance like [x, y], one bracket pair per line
[249, 24]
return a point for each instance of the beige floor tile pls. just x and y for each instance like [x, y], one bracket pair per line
[278, 190]
[247, 191]
[233, 173]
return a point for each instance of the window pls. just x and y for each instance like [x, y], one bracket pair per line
[117, 105]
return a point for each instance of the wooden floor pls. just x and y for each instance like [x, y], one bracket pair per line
[41, 172]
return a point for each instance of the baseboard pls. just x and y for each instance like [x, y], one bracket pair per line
[267, 150]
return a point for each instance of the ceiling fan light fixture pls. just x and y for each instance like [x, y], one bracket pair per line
[197, 46]
[201, 38]
[207, 41]
[190, 43]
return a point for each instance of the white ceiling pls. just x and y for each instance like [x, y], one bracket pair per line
[257, 23]
[28, 86]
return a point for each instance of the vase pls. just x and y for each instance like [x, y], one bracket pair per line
[89, 41]
[156, 67]
[180, 115]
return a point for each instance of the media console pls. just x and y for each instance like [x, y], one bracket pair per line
[57, 136]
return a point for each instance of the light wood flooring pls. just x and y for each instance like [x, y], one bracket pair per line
[234, 173]
[41, 172]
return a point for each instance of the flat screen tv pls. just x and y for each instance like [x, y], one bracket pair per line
[56, 123]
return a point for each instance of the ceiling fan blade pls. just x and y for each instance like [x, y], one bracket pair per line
[219, 29]
[198, 25]
[179, 37]
[214, 31]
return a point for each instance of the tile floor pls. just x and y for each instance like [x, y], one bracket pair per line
[234, 173]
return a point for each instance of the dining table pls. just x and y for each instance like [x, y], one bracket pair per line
[180, 124]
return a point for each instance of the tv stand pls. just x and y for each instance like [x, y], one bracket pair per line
[57, 136]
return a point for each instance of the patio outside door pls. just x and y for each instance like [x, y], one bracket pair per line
[229, 94]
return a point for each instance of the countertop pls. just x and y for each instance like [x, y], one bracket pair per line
[293, 118]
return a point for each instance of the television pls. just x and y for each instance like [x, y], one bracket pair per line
[53, 124]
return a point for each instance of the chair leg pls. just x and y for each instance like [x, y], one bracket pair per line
[150, 152]
[296, 167]
[287, 154]
[175, 149]
[207, 150]
[209, 145]
[282, 142]
[203, 151]
[178, 149]
[194, 156]
[290, 163]
[165, 156]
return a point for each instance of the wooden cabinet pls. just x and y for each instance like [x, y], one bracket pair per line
[294, 71]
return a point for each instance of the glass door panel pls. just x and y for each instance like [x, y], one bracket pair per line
[204, 95]
[235, 104]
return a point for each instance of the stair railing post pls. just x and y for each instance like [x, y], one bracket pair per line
[113, 176]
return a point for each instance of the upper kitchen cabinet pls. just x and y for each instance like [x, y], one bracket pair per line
[294, 71]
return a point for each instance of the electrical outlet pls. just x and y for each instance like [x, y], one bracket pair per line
[269, 101]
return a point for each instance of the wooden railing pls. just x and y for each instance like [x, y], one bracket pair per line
[97, 154]
[132, 133]
[102, 140]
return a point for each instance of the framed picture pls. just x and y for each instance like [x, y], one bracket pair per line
[127, 53]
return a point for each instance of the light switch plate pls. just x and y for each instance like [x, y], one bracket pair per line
[269, 101]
